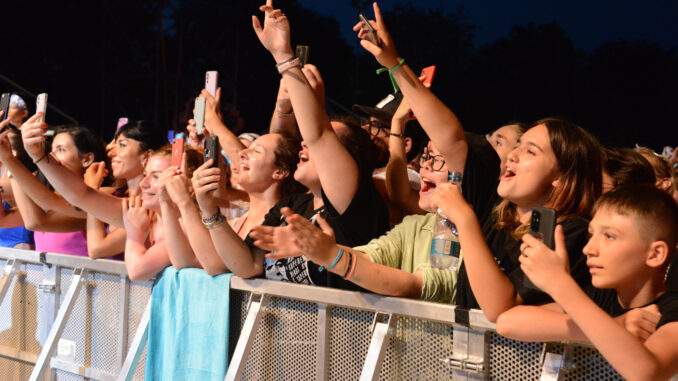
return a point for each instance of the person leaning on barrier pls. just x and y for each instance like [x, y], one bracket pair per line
[633, 237]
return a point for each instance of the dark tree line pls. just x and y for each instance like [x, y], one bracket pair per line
[146, 59]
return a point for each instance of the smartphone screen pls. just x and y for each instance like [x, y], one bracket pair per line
[4, 105]
[41, 106]
[199, 115]
[302, 52]
[369, 29]
[177, 152]
[211, 82]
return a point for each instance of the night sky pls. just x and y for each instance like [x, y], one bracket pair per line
[588, 23]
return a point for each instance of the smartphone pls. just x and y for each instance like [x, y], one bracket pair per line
[211, 82]
[369, 29]
[121, 122]
[543, 225]
[212, 150]
[301, 51]
[4, 105]
[199, 114]
[177, 152]
[427, 75]
[41, 106]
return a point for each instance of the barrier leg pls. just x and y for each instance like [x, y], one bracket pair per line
[137, 348]
[59, 325]
[322, 356]
[381, 333]
[11, 268]
[255, 311]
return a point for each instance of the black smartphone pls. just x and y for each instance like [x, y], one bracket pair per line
[4, 105]
[212, 150]
[369, 29]
[543, 225]
[301, 51]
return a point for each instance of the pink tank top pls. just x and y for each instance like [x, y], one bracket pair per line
[64, 243]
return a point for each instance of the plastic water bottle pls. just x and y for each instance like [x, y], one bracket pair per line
[445, 247]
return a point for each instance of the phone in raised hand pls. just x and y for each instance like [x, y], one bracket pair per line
[543, 225]
[199, 115]
[212, 150]
[212, 82]
[41, 106]
[177, 152]
[371, 33]
[302, 51]
[4, 105]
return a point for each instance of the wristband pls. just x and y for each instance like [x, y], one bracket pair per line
[216, 223]
[397, 135]
[390, 74]
[43, 156]
[352, 270]
[288, 64]
[348, 266]
[334, 263]
[212, 218]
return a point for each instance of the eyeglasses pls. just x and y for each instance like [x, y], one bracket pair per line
[437, 161]
[375, 127]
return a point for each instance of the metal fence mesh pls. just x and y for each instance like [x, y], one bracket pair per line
[350, 334]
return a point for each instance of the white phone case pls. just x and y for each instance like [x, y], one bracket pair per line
[211, 82]
[199, 114]
[41, 106]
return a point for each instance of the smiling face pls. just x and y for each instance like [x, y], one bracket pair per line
[616, 252]
[504, 140]
[257, 170]
[126, 158]
[531, 170]
[149, 185]
[66, 152]
[430, 178]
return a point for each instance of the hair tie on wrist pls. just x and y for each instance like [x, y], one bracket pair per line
[390, 74]
[43, 156]
[334, 263]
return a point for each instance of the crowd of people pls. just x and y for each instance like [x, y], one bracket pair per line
[351, 204]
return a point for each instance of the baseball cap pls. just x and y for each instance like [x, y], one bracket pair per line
[383, 110]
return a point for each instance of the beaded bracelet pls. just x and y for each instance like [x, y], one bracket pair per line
[212, 218]
[215, 224]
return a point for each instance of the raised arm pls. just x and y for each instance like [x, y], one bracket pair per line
[397, 182]
[337, 170]
[214, 123]
[142, 262]
[68, 184]
[230, 248]
[439, 122]
[36, 219]
[493, 290]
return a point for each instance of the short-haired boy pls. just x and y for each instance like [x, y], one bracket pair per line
[633, 239]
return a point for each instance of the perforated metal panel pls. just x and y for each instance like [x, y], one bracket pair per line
[590, 366]
[66, 376]
[416, 351]
[284, 348]
[350, 333]
[510, 359]
[139, 296]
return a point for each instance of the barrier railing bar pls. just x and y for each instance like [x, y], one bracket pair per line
[92, 373]
[323, 342]
[59, 324]
[440, 312]
[137, 347]
[17, 354]
[107, 266]
[124, 316]
[11, 268]
[381, 333]
[255, 312]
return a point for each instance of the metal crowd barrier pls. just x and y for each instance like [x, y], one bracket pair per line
[72, 318]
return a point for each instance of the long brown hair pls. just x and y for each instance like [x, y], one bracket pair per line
[579, 161]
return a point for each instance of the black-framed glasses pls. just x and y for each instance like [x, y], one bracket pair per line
[437, 161]
[375, 127]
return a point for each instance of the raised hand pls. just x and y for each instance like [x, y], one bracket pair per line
[178, 189]
[95, 175]
[213, 116]
[135, 217]
[205, 182]
[31, 133]
[195, 140]
[542, 265]
[449, 200]
[275, 34]
[314, 78]
[5, 146]
[386, 53]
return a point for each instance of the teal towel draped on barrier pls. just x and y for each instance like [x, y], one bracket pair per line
[188, 326]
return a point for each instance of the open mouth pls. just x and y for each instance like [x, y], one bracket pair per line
[303, 158]
[244, 166]
[509, 173]
[426, 185]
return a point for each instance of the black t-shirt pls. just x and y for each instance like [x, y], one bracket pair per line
[506, 251]
[672, 276]
[365, 218]
[607, 300]
[481, 176]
